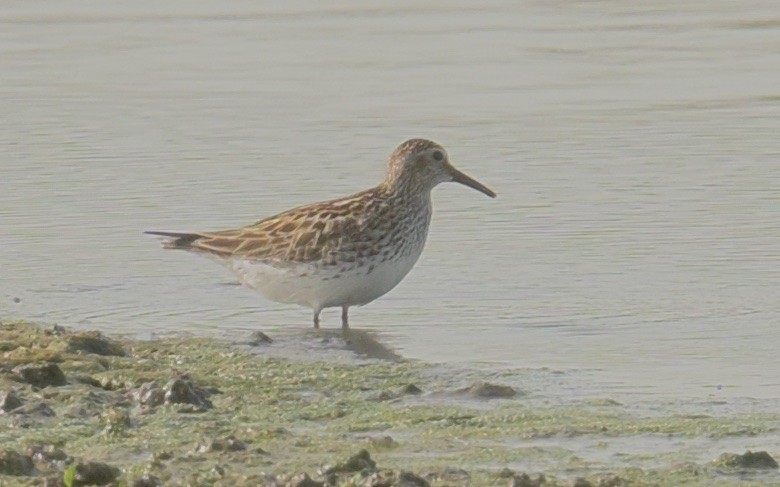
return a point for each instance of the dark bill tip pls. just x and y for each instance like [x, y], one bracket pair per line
[465, 180]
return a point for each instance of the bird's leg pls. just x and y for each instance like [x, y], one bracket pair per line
[317, 318]
[345, 317]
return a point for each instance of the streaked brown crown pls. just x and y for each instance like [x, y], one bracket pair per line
[413, 146]
[399, 171]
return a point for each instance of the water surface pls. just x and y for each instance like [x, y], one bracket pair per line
[635, 151]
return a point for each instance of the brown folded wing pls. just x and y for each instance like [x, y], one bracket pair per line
[314, 233]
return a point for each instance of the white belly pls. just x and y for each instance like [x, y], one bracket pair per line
[320, 287]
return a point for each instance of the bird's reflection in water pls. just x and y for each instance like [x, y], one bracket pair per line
[358, 341]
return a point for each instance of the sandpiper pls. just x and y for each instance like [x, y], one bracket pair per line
[338, 253]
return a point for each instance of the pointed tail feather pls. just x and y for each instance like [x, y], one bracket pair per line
[176, 240]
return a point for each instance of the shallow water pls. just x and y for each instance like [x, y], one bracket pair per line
[635, 239]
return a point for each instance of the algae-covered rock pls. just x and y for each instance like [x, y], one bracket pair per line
[116, 420]
[258, 338]
[48, 454]
[147, 480]
[385, 442]
[390, 478]
[40, 375]
[88, 380]
[409, 479]
[56, 330]
[9, 400]
[303, 480]
[581, 482]
[14, 463]
[94, 473]
[384, 396]
[228, 443]
[451, 475]
[182, 390]
[388, 395]
[525, 480]
[751, 460]
[93, 342]
[610, 480]
[487, 390]
[40, 409]
[359, 462]
[149, 394]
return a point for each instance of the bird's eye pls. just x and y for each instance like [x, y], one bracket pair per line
[438, 155]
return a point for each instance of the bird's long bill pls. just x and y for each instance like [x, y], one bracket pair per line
[462, 178]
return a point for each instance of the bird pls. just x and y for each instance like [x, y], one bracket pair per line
[342, 252]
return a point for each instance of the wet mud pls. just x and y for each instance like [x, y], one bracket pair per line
[322, 409]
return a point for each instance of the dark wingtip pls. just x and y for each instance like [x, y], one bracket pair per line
[177, 240]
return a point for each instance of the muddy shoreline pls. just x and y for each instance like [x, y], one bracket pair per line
[80, 408]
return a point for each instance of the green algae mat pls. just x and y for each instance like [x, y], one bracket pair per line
[79, 408]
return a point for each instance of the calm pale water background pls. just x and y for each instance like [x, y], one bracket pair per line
[635, 148]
